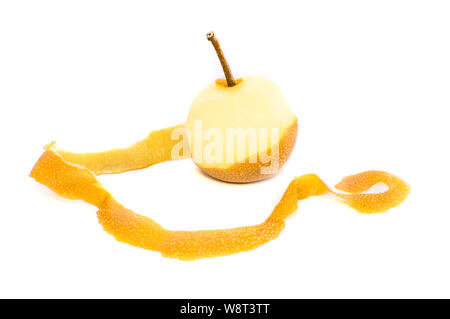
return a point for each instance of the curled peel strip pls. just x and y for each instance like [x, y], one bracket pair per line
[155, 148]
[72, 176]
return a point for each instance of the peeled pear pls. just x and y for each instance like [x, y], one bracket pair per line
[242, 133]
[240, 130]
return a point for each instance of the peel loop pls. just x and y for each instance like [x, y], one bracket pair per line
[372, 203]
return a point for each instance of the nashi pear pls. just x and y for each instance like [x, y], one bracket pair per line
[242, 133]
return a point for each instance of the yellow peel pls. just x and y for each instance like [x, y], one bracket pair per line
[155, 148]
[397, 191]
[76, 182]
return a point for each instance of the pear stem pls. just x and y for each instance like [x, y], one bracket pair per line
[226, 68]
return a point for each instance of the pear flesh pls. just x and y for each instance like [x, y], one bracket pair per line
[242, 133]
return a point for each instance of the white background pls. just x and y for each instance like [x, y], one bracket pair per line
[368, 80]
